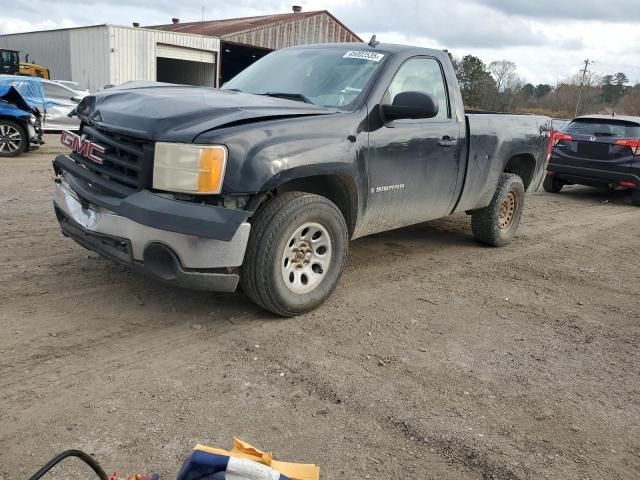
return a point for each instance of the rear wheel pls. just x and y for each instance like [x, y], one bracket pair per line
[296, 253]
[496, 224]
[552, 184]
[13, 138]
[635, 197]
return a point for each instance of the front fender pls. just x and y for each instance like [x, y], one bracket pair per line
[11, 112]
[265, 155]
[303, 157]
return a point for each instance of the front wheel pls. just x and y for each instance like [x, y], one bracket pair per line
[13, 139]
[296, 253]
[552, 184]
[496, 224]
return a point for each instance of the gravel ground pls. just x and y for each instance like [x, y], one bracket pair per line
[435, 358]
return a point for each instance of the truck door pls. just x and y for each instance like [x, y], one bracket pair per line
[413, 165]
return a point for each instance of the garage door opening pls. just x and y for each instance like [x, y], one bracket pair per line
[187, 66]
[186, 72]
[236, 57]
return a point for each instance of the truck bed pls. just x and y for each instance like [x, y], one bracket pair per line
[493, 141]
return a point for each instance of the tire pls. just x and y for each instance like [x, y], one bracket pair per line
[496, 224]
[13, 138]
[552, 184]
[281, 253]
[635, 197]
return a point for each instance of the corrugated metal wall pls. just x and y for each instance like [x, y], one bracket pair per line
[89, 50]
[315, 29]
[50, 49]
[107, 54]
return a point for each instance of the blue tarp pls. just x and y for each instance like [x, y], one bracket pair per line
[9, 94]
[30, 88]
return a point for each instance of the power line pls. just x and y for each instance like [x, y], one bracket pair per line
[587, 62]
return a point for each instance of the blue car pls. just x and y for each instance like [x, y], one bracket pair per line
[20, 123]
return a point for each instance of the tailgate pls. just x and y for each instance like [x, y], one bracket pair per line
[596, 143]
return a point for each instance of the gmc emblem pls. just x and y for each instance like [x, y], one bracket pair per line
[82, 146]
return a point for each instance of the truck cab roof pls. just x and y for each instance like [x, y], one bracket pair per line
[390, 48]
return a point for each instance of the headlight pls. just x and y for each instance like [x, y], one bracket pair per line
[188, 168]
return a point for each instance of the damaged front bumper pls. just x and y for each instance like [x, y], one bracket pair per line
[165, 244]
[35, 136]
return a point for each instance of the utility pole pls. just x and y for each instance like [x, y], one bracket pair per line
[587, 62]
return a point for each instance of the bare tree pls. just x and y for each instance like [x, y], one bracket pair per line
[504, 73]
[631, 101]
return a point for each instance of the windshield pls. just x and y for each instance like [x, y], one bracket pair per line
[331, 77]
[9, 56]
[603, 128]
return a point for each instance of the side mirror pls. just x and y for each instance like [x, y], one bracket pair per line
[410, 105]
[76, 99]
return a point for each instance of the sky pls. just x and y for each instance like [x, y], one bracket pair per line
[547, 39]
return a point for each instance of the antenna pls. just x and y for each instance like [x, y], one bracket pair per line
[373, 43]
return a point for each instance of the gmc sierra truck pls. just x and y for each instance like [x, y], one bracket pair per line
[266, 180]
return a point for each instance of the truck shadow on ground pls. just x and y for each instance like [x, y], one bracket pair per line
[380, 251]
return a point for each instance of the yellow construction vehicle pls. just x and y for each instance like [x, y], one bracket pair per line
[33, 70]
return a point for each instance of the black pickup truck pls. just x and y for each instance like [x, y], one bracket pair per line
[264, 181]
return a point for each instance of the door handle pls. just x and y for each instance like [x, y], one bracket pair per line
[448, 141]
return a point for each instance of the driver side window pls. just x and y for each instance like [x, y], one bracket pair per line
[421, 75]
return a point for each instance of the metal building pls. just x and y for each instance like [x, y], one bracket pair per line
[245, 40]
[109, 55]
[197, 53]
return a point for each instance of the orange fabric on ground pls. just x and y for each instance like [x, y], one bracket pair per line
[240, 449]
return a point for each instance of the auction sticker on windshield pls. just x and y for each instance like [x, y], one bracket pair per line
[361, 55]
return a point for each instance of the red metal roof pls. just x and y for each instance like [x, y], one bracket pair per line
[230, 26]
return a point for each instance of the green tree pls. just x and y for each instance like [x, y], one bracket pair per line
[542, 90]
[614, 88]
[475, 81]
[528, 90]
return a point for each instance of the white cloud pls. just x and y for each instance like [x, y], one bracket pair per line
[546, 39]
[16, 25]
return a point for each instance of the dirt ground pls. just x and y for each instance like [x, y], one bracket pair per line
[436, 358]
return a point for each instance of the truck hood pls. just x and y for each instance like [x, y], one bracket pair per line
[176, 113]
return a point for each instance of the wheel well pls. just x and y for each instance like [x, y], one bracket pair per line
[340, 189]
[522, 165]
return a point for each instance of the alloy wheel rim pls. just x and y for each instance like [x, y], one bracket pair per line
[10, 139]
[508, 211]
[306, 258]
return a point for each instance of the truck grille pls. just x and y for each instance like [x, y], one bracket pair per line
[126, 160]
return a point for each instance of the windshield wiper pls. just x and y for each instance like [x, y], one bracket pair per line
[288, 96]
